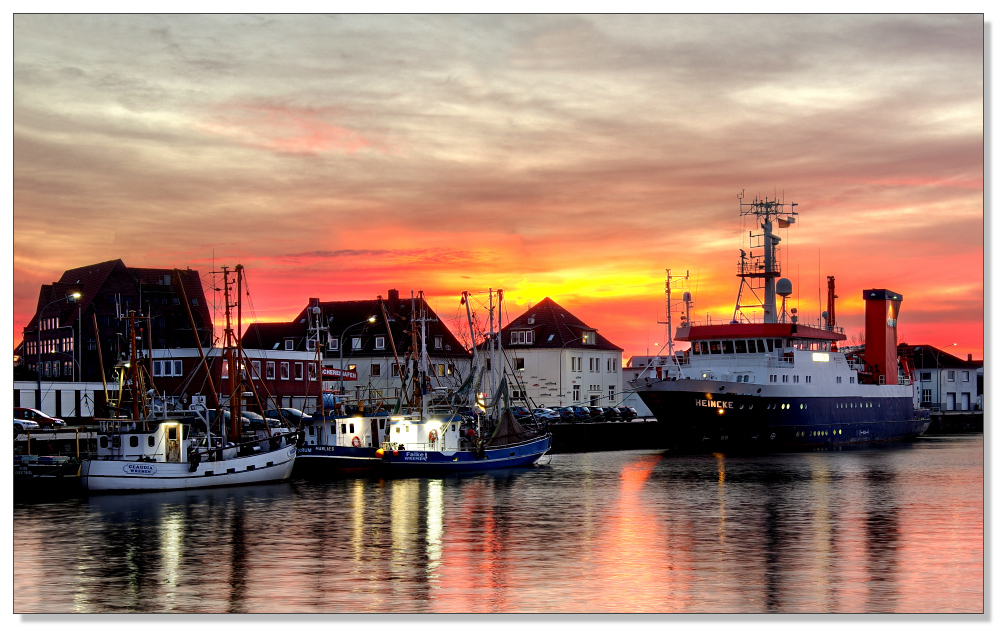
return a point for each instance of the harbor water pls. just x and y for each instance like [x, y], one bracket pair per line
[895, 529]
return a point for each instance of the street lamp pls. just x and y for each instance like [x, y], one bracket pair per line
[340, 347]
[38, 340]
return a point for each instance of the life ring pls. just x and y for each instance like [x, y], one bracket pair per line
[433, 436]
[356, 441]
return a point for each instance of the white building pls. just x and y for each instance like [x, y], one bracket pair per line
[945, 382]
[559, 360]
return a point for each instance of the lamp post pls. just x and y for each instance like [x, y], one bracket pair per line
[340, 347]
[38, 341]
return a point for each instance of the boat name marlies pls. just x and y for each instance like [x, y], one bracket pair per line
[707, 403]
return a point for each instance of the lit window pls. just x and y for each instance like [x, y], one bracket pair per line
[589, 337]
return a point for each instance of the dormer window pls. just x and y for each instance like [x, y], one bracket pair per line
[589, 337]
[289, 345]
[522, 337]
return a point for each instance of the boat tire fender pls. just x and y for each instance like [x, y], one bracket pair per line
[356, 441]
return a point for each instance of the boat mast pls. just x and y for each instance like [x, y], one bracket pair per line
[475, 352]
[235, 424]
[761, 270]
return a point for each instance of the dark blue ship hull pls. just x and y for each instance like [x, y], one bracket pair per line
[318, 460]
[419, 462]
[699, 421]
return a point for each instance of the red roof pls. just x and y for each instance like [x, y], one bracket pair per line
[740, 330]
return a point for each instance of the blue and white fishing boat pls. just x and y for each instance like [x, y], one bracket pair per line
[442, 430]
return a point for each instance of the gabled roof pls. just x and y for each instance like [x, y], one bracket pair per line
[555, 327]
[265, 335]
[927, 357]
[346, 318]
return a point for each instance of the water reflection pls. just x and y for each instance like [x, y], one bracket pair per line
[876, 531]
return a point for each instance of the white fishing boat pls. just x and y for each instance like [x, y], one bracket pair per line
[150, 448]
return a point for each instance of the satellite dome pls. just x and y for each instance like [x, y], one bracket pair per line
[784, 287]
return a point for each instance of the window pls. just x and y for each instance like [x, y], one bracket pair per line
[225, 370]
[589, 337]
[157, 370]
[379, 343]
[613, 365]
[334, 344]
[925, 376]
[178, 368]
[774, 378]
[376, 370]
[395, 370]
[925, 396]
[133, 441]
[298, 371]
[519, 363]
[522, 337]
[270, 370]
[577, 364]
[838, 379]
[751, 346]
[784, 378]
[576, 393]
[951, 375]
[284, 370]
[438, 341]
[310, 344]
[852, 379]
[289, 345]
[965, 375]
[715, 348]
[795, 379]
[440, 370]
[55, 369]
[727, 347]
[611, 395]
[355, 343]
[311, 367]
[741, 346]
[809, 379]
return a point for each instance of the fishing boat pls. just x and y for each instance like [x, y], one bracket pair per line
[462, 431]
[148, 447]
[435, 430]
[766, 381]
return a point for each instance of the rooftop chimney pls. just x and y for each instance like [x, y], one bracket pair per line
[393, 301]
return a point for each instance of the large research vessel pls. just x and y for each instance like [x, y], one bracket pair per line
[765, 381]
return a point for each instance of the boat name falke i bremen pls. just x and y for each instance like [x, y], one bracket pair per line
[764, 382]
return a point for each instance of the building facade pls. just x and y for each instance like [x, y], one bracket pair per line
[367, 349]
[944, 382]
[86, 307]
[560, 360]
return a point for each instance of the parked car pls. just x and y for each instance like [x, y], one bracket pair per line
[293, 416]
[582, 413]
[521, 413]
[547, 414]
[42, 420]
[612, 414]
[627, 413]
[596, 413]
[21, 425]
[566, 414]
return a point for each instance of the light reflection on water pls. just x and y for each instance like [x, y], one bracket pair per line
[880, 530]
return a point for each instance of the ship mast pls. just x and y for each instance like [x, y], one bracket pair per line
[760, 268]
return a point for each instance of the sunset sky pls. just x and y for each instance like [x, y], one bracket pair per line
[575, 157]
